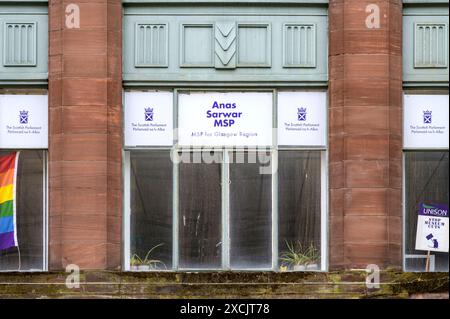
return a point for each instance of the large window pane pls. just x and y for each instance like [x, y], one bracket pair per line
[426, 180]
[200, 217]
[151, 209]
[299, 209]
[250, 212]
[30, 219]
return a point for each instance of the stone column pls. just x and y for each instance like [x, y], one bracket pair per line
[85, 181]
[365, 134]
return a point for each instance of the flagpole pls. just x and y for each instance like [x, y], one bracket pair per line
[16, 241]
[20, 261]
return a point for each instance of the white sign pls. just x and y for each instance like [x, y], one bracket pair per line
[425, 123]
[302, 118]
[432, 227]
[148, 119]
[225, 119]
[24, 121]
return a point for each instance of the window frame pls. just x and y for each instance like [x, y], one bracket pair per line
[274, 149]
[405, 150]
[405, 211]
[45, 218]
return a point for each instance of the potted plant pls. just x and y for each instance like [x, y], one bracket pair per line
[139, 264]
[135, 262]
[300, 258]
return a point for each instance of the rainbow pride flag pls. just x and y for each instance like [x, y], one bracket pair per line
[8, 178]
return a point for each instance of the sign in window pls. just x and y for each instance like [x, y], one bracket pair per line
[23, 121]
[425, 121]
[225, 119]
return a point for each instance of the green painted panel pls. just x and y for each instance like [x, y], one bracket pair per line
[425, 45]
[299, 45]
[23, 43]
[254, 45]
[151, 45]
[19, 45]
[196, 46]
[225, 46]
[228, 43]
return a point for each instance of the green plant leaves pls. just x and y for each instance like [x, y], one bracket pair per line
[298, 254]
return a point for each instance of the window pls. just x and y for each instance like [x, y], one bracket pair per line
[225, 197]
[426, 192]
[426, 180]
[29, 254]
[299, 199]
[151, 206]
[250, 213]
[23, 181]
[200, 220]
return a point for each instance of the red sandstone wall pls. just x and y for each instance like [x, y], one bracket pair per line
[365, 135]
[85, 135]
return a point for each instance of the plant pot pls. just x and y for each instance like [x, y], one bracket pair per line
[299, 268]
[144, 268]
[134, 268]
[312, 267]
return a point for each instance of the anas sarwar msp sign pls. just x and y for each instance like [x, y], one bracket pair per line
[302, 118]
[148, 119]
[432, 227]
[225, 119]
[24, 121]
[425, 121]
